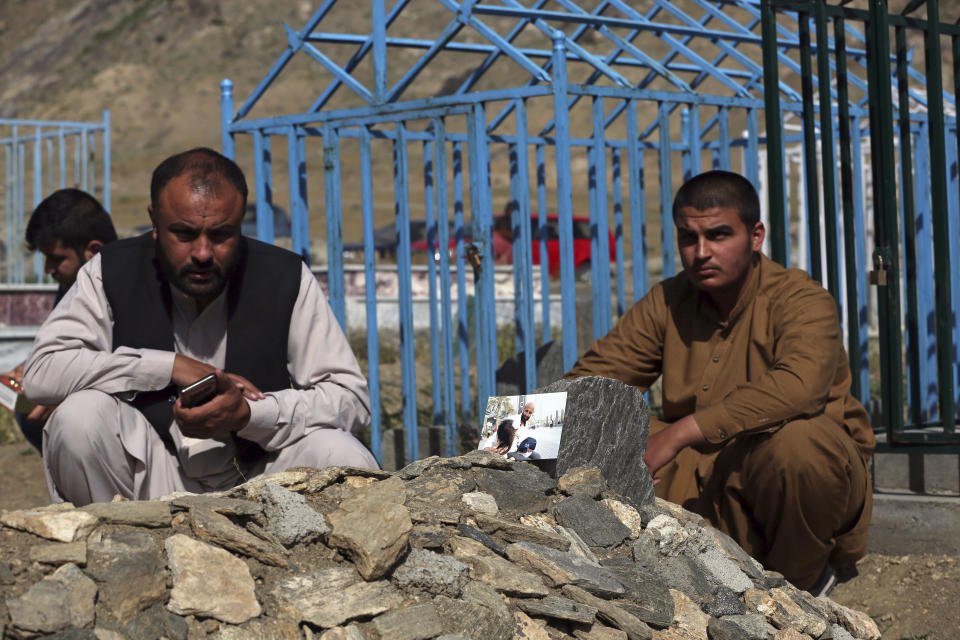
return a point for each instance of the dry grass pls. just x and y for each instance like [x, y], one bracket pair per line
[9, 430]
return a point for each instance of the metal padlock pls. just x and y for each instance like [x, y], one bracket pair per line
[878, 276]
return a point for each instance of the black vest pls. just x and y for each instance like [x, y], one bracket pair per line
[260, 297]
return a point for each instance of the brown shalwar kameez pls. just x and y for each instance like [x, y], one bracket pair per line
[784, 471]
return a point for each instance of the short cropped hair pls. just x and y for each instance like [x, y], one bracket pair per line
[205, 164]
[73, 217]
[720, 189]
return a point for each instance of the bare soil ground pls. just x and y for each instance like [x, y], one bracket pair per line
[911, 597]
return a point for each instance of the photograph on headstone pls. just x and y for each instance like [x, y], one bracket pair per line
[524, 427]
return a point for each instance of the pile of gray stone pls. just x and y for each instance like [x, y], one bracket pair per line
[467, 547]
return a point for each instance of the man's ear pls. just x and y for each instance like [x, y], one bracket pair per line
[92, 249]
[153, 220]
[757, 235]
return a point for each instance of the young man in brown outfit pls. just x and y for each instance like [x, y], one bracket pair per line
[760, 434]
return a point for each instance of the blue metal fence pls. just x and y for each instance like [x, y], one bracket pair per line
[39, 157]
[608, 109]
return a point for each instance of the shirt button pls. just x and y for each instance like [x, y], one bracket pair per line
[716, 358]
[722, 433]
[705, 387]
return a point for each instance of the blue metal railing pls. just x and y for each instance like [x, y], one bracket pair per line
[39, 157]
[650, 122]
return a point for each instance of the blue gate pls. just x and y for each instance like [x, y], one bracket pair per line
[550, 110]
[39, 157]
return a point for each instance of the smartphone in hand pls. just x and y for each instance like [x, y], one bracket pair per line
[199, 392]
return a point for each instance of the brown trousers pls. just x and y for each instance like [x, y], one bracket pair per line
[794, 498]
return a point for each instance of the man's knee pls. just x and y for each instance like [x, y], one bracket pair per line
[327, 448]
[805, 451]
[80, 422]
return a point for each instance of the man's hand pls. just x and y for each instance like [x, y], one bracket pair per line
[663, 446]
[228, 411]
[187, 370]
[40, 413]
[16, 375]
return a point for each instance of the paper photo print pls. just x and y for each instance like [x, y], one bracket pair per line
[526, 427]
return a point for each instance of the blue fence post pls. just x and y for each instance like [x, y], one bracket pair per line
[751, 155]
[432, 241]
[926, 377]
[85, 160]
[106, 159]
[299, 212]
[485, 302]
[443, 229]
[638, 206]
[863, 370]
[599, 227]
[463, 320]
[546, 331]
[723, 138]
[523, 268]
[62, 158]
[334, 216]
[409, 373]
[370, 292]
[8, 206]
[615, 167]
[226, 117]
[37, 194]
[666, 192]
[263, 177]
[568, 302]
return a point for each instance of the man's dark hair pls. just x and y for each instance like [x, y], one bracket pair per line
[205, 164]
[73, 217]
[720, 189]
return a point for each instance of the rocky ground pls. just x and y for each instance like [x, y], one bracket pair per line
[909, 597]
[471, 547]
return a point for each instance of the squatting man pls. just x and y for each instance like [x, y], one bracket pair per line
[760, 434]
[68, 228]
[151, 314]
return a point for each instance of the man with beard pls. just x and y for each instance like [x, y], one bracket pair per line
[760, 435]
[153, 314]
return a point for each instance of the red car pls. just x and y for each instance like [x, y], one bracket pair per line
[581, 242]
[503, 244]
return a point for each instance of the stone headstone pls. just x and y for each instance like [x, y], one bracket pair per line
[606, 426]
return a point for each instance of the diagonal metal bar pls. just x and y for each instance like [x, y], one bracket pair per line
[284, 58]
[730, 50]
[449, 33]
[379, 24]
[596, 75]
[625, 44]
[496, 53]
[574, 46]
[464, 14]
[335, 69]
[356, 58]
[547, 66]
[688, 52]
[595, 20]
[757, 70]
